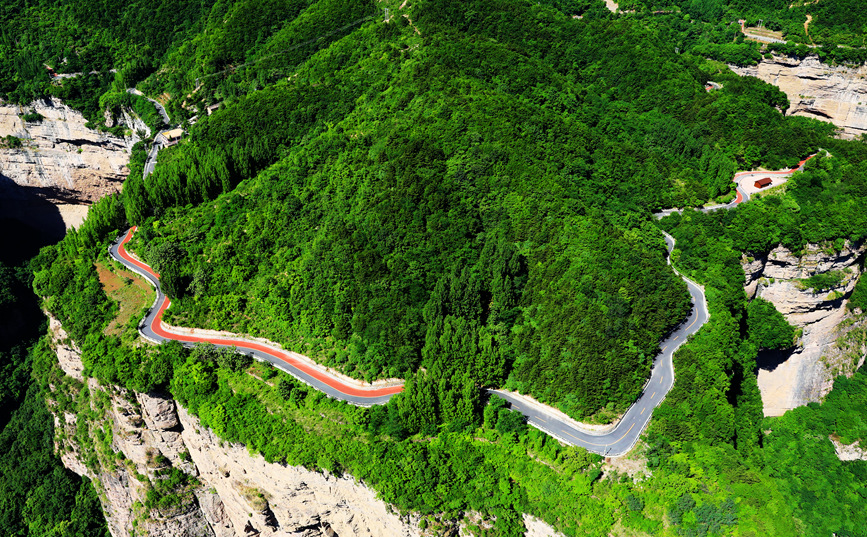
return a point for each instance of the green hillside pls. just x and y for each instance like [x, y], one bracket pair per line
[451, 188]
[460, 196]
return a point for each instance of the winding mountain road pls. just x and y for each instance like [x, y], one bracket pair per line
[625, 434]
[743, 192]
[621, 439]
[151, 161]
[160, 108]
[151, 328]
[615, 442]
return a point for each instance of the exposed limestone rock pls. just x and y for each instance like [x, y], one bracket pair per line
[61, 159]
[537, 528]
[851, 452]
[59, 151]
[270, 497]
[784, 265]
[808, 373]
[123, 480]
[158, 411]
[238, 494]
[837, 94]
[136, 126]
[68, 354]
[124, 452]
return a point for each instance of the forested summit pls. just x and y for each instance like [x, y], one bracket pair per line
[459, 193]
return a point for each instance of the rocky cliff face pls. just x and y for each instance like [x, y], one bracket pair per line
[60, 159]
[832, 341]
[848, 452]
[130, 443]
[837, 94]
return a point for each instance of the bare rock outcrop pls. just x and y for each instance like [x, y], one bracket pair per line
[141, 438]
[807, 374]
[848, 452]
[68, 354]
[830, 93]
[538, 528]
[60, 159]
[126, 453]
[277, 499]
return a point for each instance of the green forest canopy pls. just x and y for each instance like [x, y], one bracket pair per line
[454, 187]
[464, 200]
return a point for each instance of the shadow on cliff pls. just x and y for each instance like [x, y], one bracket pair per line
[27, 222]
[770, 359]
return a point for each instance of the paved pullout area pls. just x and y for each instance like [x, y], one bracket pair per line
[744, 186]
[625, 434]
[152, 329]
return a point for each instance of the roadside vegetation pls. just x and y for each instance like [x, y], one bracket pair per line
[464, 200]
[132, 294]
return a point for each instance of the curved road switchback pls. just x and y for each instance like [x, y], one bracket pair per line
[160, 108]
[613, 443]
[151, 161]
[740, 179]
[151, 328]
[623, 437]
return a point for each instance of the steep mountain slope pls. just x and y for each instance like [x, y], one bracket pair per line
[438, 177]
[460, 194]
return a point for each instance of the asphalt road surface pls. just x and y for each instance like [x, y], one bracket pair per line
[630, 427]
[151, 329]
[741, 179]
[151, 161]
[160, 108]
[614, 443]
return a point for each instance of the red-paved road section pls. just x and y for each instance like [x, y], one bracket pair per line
[742, 195]
[151, 328]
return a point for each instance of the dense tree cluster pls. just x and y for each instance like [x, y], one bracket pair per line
[84, 37]
[294, 255]
[767, 327]
[463, 200]
[838, 22]
[38, 496]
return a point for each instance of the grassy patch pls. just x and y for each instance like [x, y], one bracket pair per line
[773, 191]
[314, 418]
[823, 281]
[130, 292]
[764, 32]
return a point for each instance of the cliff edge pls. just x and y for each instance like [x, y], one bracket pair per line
[832, 340]
[837, 94]
[48, 148]
[160, 473]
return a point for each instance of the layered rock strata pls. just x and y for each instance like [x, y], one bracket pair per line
[807, 374]
[837, 94]
[60, 159]
[140, 437]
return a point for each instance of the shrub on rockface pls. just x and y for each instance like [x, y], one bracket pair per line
[767, 327]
